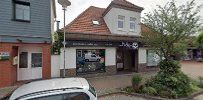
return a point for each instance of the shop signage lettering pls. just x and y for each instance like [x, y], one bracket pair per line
[129, 45]
[133, 45]
[90, 43]
[4, 55]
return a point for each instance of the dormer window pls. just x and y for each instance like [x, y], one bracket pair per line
[132, 23]
[95, 22]
[121, 20]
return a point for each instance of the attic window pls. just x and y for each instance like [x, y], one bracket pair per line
[95, 22]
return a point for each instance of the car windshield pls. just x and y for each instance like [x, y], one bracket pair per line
[92, 90]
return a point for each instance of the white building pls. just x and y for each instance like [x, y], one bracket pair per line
[106, 41]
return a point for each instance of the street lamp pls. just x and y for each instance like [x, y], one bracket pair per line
[64, 4]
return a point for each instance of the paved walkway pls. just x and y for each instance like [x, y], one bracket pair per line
[109, 84]
[192, 68]
[7, 90]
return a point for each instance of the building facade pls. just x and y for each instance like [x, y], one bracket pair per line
[25, 40]
[106, 41]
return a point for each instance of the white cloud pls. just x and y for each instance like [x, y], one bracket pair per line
[78, 6]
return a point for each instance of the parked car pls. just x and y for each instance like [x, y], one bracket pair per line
[92, 57]
[56, 89]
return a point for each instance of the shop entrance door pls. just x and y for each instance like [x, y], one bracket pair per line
[30, 63]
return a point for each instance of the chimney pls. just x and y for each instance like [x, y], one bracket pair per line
[57, 25]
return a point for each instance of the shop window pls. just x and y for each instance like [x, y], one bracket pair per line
[23, 60]
[36, 59]
[152, 58]
[90, 60]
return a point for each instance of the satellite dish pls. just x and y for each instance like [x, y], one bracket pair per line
[64, 3]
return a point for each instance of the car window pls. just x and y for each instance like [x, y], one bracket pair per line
[93, 55]
[78, 96]
[67, 96]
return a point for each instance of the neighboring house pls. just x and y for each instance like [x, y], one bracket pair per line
[193, 52]
[110, 37]
[25, 40]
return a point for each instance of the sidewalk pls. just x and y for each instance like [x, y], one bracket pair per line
[109, 84]
[6, 91]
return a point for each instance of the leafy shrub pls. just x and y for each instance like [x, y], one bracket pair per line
[149, 90]
[129, 89]
[171, 82]
[169, 67]
[136, 79]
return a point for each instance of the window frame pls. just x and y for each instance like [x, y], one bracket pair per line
[14, 10]
[133, 22]
[122, 20]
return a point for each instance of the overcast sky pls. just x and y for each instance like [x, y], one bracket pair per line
[78, 6]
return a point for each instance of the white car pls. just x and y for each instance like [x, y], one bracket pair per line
[92, 57]
[56, 89]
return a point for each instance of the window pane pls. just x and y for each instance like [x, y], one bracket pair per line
[19, 12]
[78, 96]
[36, 59]
[152, 58]
[120, 24]
[26, 15]
[23, 60]
[22, 12]
[132, 26]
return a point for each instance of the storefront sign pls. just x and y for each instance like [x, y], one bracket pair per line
[92, 43]
[131, 45]
[4, 55]
[128, 45]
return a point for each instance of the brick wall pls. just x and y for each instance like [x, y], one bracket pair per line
[46, 62]
[8, 72]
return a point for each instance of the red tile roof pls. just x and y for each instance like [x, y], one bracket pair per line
[126, 3]
[83, 23]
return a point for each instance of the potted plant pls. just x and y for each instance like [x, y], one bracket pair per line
[136, 80]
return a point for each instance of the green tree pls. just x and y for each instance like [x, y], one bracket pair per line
[170, 25]
[58, 43]
[169, 28]
[200, 40]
